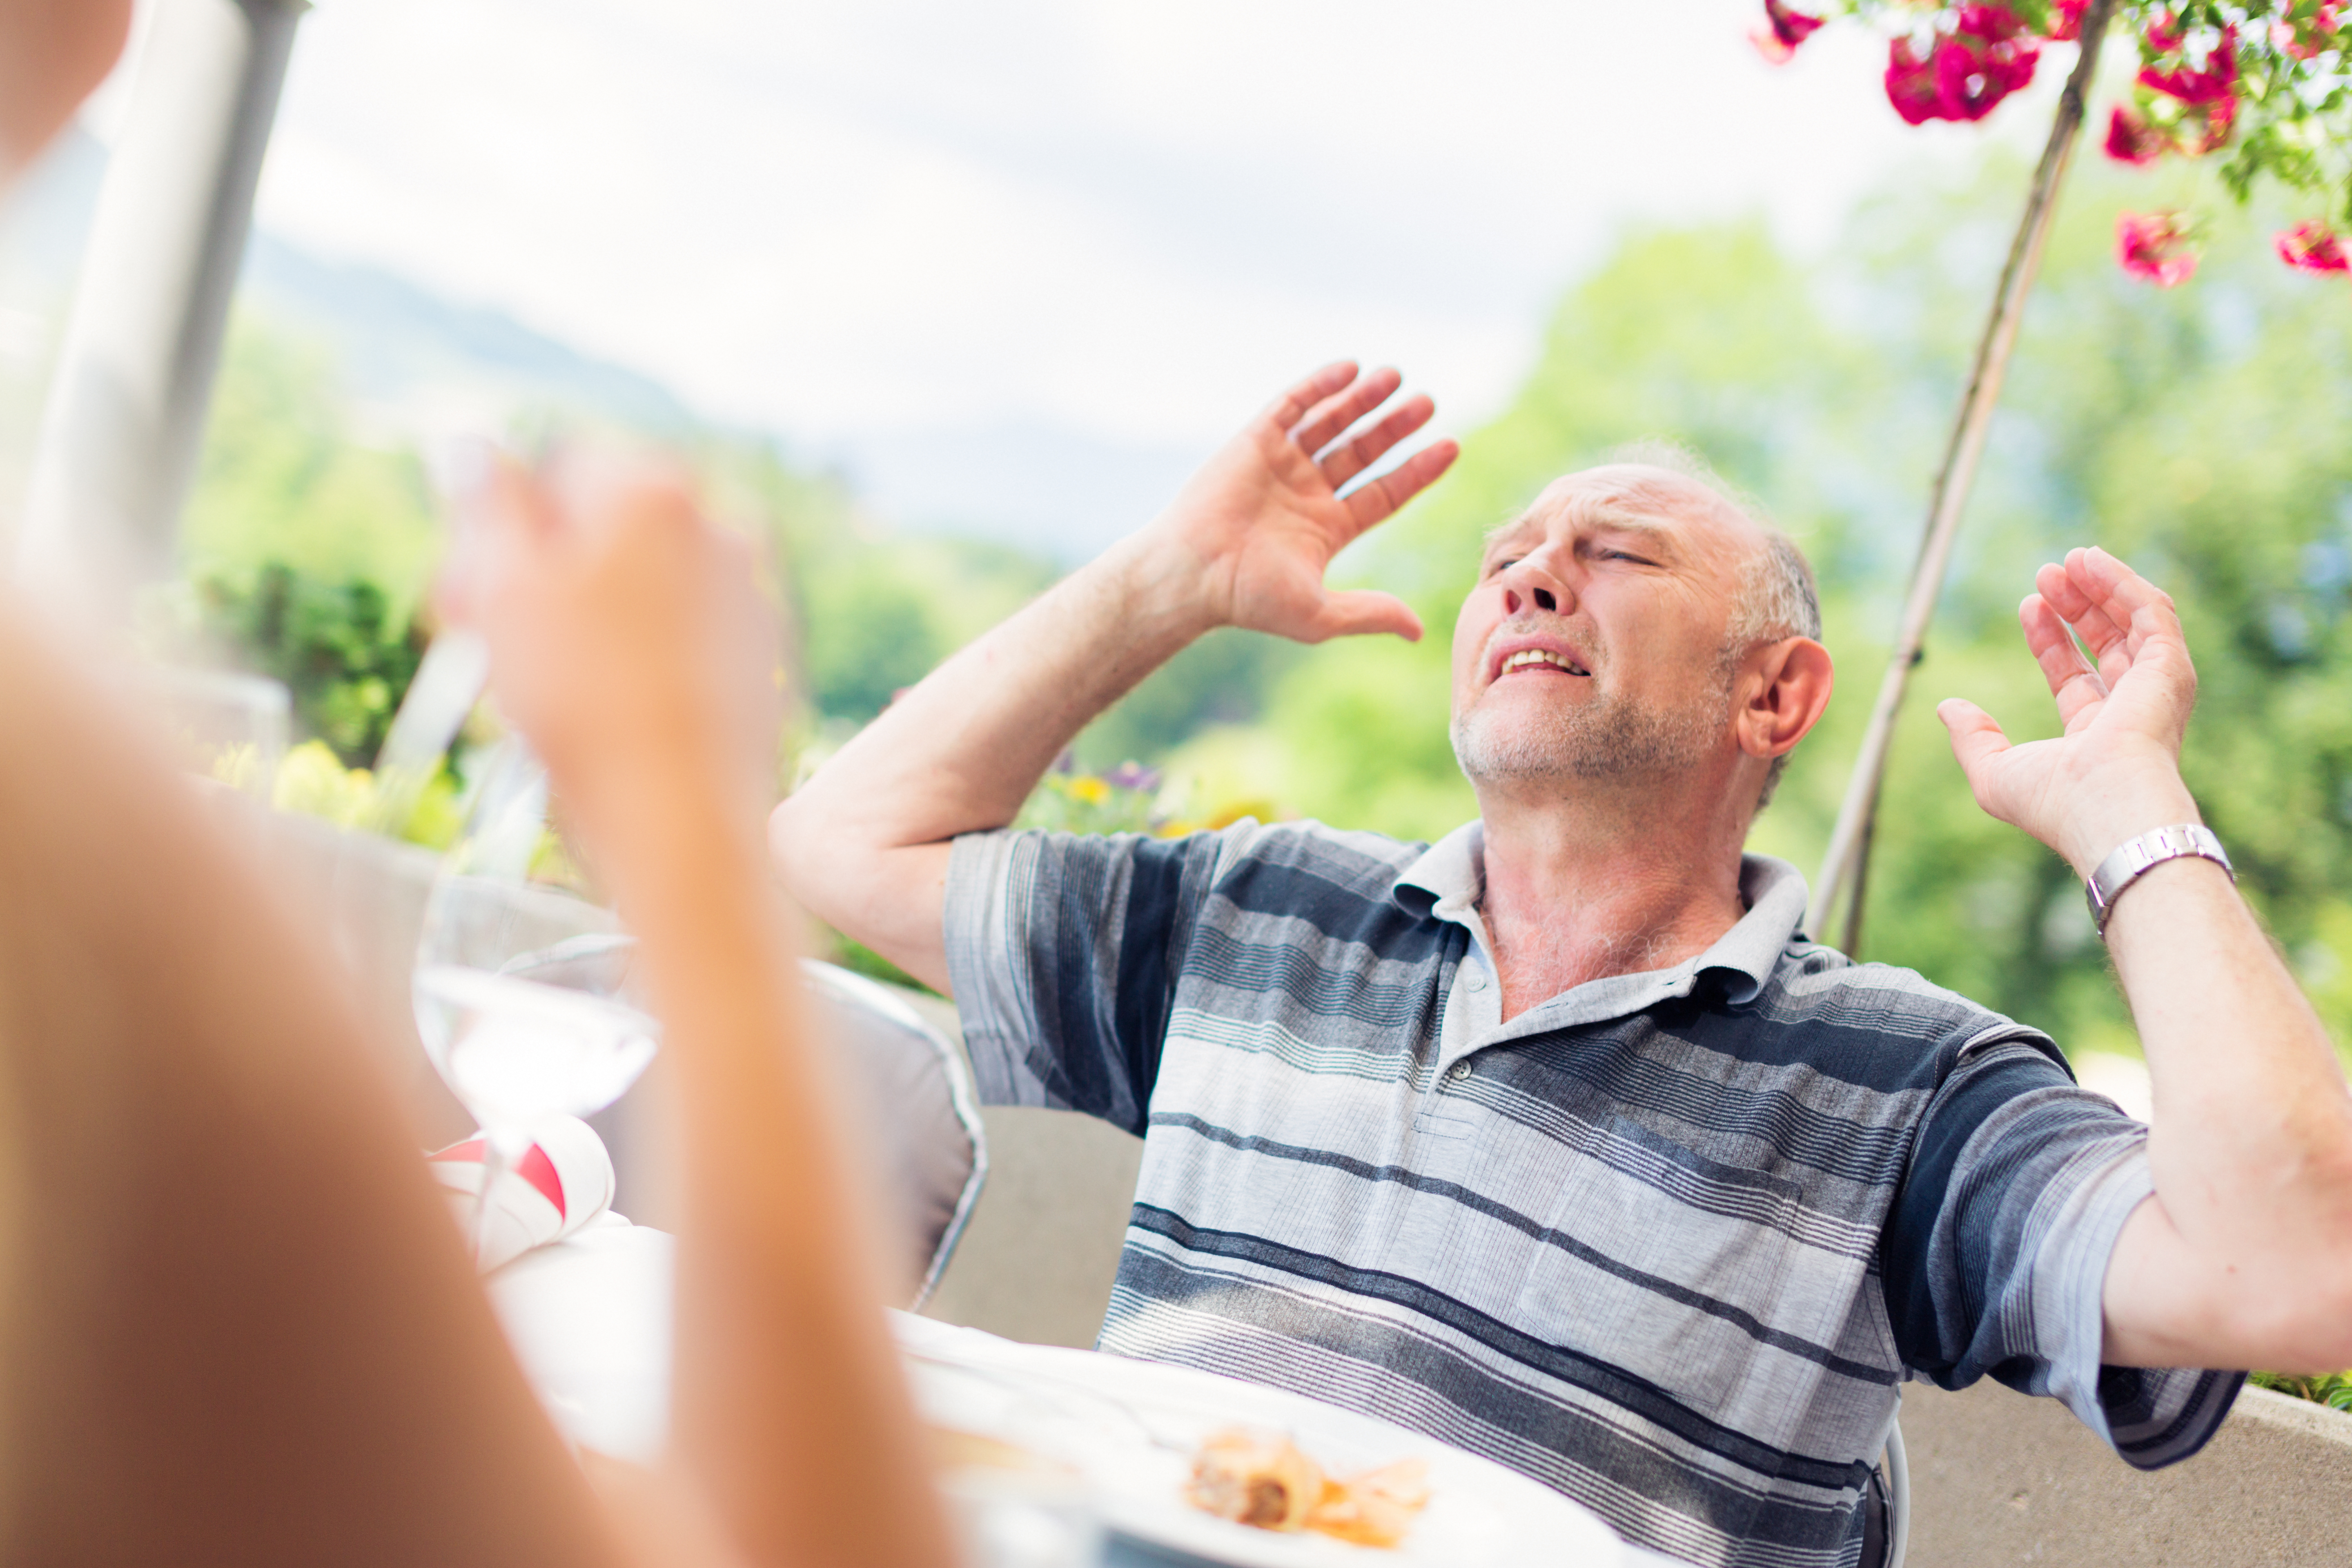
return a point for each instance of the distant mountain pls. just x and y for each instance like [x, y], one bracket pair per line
[417, 362]
[402, 348]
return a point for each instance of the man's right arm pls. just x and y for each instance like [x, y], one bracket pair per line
[864, 844]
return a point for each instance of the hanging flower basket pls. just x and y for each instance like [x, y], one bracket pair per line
[2265, 87]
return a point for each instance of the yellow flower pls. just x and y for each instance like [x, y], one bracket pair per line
[1091, 790]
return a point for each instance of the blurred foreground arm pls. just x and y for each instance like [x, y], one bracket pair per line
[235, 1323]
[865, 843]
[2243, 1257]
[628, 643]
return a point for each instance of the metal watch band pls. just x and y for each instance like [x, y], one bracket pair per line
[2132, 859]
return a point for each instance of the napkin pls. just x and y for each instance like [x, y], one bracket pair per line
[563, 1184]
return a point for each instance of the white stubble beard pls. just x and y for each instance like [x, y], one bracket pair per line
[1606, 737]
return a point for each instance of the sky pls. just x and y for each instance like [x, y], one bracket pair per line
[1108, 221]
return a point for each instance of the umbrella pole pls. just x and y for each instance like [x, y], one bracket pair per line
[1848, 860]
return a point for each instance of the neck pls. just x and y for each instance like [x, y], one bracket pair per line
[1607, 879]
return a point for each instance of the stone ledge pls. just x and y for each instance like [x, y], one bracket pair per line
[1998, 1478]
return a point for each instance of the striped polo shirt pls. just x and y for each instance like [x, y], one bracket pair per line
[1668, 1242]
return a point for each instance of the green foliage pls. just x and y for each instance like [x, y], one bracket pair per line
[2332, 1389]
[308, 550]
[312, 780]
[2191, 431]
[285, 477]
[1068, 800]
[334, 646]
[2195, 432]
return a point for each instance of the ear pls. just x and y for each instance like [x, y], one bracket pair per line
[1788, 689]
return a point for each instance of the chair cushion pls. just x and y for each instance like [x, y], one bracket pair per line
[921, 1113]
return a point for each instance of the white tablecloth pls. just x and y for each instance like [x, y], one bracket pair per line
[590, 1321]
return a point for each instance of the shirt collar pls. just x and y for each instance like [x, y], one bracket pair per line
[1451, 876]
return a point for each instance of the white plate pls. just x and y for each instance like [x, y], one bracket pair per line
[1131, 1428]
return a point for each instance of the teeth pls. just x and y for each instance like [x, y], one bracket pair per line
[1528, 657]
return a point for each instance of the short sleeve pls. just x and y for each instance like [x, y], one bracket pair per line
[1996, 1256]
[1063, 949]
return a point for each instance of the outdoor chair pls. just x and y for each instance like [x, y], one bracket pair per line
[921, 1107]
[1894, 1473]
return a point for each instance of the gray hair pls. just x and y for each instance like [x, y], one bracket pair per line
[1778, 596]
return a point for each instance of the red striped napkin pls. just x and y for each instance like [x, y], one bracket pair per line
[564, 1182]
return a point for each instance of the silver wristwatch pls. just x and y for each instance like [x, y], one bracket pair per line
[2136, 856]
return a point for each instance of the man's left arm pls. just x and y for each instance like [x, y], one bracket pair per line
[2244, 1256]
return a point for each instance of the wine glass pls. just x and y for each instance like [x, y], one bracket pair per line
[526, 994]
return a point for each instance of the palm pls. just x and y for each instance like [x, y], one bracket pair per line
[1267, 514]
[2129, 709]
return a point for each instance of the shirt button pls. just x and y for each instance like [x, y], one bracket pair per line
[1475, 979]
[1458, 1071]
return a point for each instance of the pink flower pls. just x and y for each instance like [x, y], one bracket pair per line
[2307, 37]
[1789, 25]
[1911, 85]
[2189, 85]
[2207, 125]
[2066, 19]
[2131, 140]
[2165, 35]
[1782, 29]
[1986, 56]
[2313, 248]
[2155, 247]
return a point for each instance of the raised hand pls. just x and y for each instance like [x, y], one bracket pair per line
[625, 632]
[2115, 772]
[1263, 517]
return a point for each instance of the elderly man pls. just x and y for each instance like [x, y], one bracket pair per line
[1557, 1139]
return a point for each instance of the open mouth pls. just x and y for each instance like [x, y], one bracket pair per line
[1540, 660]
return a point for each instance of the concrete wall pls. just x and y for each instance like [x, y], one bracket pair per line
[1998, 1478]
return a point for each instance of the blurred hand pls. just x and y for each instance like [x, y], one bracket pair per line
[1263, 517]
[2116, 772]
[626, 634]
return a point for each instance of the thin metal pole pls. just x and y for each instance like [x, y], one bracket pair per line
[1849, 854]
[126, 413]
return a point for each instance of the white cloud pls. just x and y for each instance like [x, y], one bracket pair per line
[1125, 218]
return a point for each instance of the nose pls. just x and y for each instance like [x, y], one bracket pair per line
[1531, 582]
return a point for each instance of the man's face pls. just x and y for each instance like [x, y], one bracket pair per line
[53, 54]
[1593, 645]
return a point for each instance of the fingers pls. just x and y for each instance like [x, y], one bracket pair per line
[1355, 612]
[1380, 498]
[2123, 619]
[1324, 424]
[2072, 683]
[1356, 456]
[1976, 742]
[2065, 595]
[1292, 405]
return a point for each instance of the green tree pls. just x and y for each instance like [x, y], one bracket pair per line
[2195, 432]
[307, 549]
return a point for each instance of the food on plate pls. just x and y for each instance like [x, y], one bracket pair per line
[1376, 1508]
[1261, 1478]
[1257, 1478]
